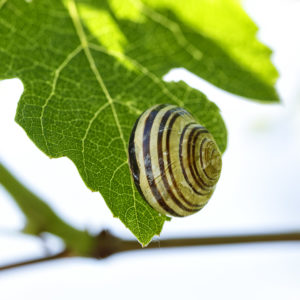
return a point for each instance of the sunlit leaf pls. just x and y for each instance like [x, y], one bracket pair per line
[90, 68]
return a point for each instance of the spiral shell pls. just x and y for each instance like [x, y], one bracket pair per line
[175, 162]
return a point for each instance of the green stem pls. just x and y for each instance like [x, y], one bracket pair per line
[41, 218]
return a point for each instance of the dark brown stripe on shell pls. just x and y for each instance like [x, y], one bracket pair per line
[191, 153]
[171, 169]
[147, 161]
[161, 132]
[181, 161]
[209, 186]
[133, 161]
[201, 159]
[212, 153]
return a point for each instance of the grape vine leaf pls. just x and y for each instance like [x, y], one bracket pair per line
[89, 68]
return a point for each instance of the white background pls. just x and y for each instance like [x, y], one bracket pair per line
[259, 191]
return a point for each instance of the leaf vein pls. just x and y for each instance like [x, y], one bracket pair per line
[142, 68]
[54, 84]
[171, 26]
[100, 109]
[84, 43]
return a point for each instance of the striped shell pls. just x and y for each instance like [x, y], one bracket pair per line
[175, 162]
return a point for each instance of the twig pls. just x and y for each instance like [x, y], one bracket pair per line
[62, 254]
[41, 218]
[126, 245]
[109, 244]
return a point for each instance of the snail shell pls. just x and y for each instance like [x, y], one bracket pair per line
[174, 161]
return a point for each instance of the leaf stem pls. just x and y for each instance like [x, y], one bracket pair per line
[41, 218]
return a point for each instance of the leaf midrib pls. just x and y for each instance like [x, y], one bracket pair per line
[72, 9]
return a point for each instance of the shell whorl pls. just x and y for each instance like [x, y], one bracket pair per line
[174, 161]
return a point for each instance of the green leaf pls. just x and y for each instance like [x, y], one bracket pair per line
[90, 68]
[220, 44]
[213, 39]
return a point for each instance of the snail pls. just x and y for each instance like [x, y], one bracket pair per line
[174, 161]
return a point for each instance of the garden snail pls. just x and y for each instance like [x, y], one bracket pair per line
[175, 162]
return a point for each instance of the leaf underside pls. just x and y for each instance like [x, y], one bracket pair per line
[90, 68]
